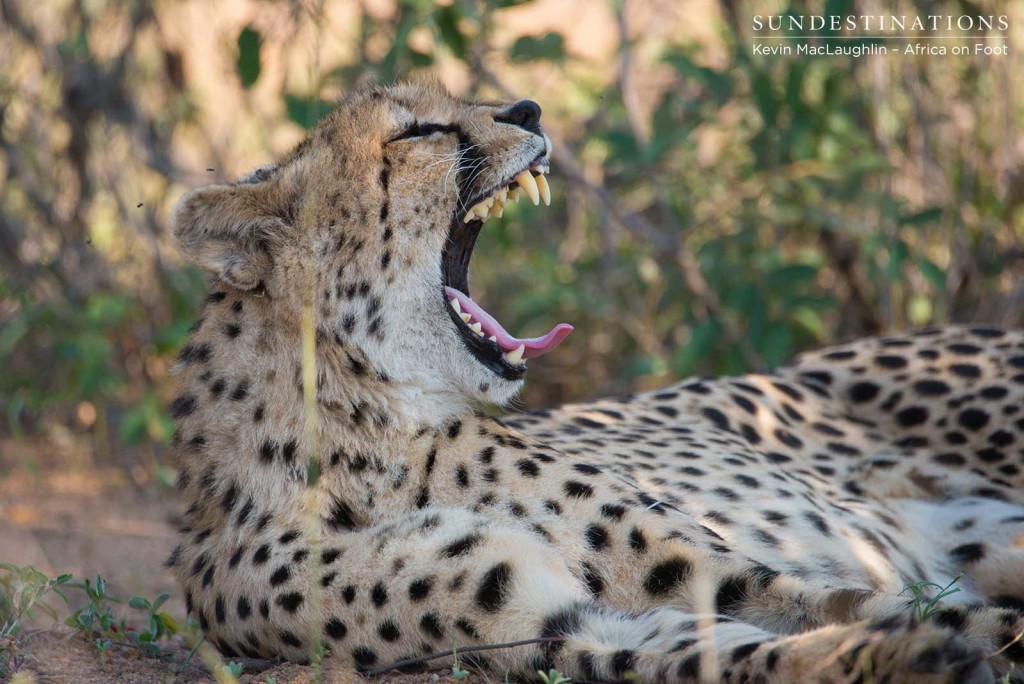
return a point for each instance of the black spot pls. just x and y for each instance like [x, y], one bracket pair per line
[349, 594]
[730, 594]
[613, 511]
[911, 416]
[243, 608]
[208, 577]
[364, 657]
[968, 553]
[717, 417]
[218, 609]
[586, 468]
[578, 490]
[241, 391]
[341, 516]
[893, 362]
[973, 419]
[290, 601]
[467, 628]
[461, 546]
[336, 629]
[637, 542]
[262, 555]
[863, 392]
[288, 451]
[183, 406]
[267, 451]
[462, 476]
[389, 631]
[431, 625]
[494, 588]
[666, 576]
[622, 661]
[741, 652]
[528, 468]
[597, 537]
[280, 576]
[931, 388]
[595, 583]
[689, 669]
[818, 522]
[379, 594]
[420, 589]
[965, 370]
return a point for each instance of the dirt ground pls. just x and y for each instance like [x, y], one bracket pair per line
[66, 510]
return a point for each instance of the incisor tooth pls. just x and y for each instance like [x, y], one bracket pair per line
[545, 189]
[516, 355]
[465, 317]
[477, 328]
[514, 193]
[503, 195]
[492, 338]
[455, 305]
[529, 186]
[497, 209]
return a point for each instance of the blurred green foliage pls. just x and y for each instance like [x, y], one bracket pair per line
[715, 211]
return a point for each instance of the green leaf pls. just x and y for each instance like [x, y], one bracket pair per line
[160, 600]
[249, 43]
[447, 21]
[922, 217]
[139, 603]
[932, 273]
[550, 46]
[306, 111]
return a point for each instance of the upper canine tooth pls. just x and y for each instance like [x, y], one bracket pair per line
[516, 355]
[455, 305]
[529, 186]
[545, 189]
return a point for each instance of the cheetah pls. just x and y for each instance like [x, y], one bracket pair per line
[343, 487]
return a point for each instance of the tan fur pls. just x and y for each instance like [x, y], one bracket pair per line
[720, 529]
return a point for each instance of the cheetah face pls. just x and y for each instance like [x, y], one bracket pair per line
[373, 221]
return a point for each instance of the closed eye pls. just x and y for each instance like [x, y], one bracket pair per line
[422, 130]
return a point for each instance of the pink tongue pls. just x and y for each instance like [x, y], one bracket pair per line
[535, 346]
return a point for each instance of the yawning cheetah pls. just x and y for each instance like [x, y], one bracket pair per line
[342, 488]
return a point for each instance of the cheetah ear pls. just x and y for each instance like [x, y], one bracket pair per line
[231, 230]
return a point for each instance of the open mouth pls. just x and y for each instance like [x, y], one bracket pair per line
[482, 334]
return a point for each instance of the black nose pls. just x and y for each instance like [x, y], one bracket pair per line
[525, 114]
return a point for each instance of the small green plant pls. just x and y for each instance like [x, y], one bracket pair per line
[97, 621]
[925, 607]
[234, 668]
[553, 676]
[457, 671]
[159, 623]
[21, 588]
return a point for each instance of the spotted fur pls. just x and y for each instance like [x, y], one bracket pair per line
[757, 528]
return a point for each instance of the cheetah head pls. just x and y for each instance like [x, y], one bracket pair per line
[371, 223]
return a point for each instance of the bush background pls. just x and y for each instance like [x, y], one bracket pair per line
[715, 212]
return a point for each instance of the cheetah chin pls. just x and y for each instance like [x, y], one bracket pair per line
[483, 335]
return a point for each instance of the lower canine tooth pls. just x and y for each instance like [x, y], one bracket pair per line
[515, 356]
[545, 189]
[529, 186]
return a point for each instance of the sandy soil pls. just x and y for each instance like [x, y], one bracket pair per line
[66, 511]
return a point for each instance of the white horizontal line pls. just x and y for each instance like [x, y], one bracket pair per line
[875, 37]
